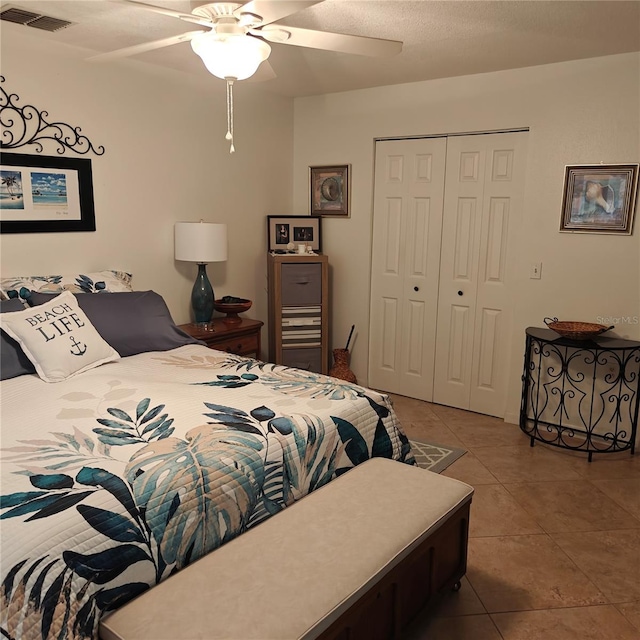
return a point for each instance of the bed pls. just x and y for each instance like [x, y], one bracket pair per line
[119, 474]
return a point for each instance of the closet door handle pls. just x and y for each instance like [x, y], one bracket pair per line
[416, 288]
[460, 293]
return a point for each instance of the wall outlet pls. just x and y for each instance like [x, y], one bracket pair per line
[535, 271]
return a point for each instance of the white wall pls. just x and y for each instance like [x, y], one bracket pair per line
[166, 160]
[578, 113]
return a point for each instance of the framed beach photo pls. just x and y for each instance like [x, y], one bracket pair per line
[599, 198]
[329, 190]
[41, 194]
[284, 233]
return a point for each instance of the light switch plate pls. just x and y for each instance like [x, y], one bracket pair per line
[535, 272]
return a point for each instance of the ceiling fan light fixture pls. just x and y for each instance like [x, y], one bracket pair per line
[249, 20]
[230, 56]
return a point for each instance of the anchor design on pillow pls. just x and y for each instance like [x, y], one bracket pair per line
[80, 346]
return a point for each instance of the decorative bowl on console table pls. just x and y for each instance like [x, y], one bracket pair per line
[232, 306]
[576, 330]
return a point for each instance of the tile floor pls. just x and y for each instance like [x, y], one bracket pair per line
[554, 547]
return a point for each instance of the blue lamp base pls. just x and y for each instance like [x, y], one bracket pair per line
[202, 297]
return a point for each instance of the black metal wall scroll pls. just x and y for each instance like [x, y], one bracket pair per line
[27, 125]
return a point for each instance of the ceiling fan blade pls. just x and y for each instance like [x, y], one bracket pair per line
[146, 46]
[272, 10]
[359, 45]
[189, 17]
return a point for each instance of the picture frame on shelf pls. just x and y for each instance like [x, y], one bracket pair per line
[40, 194]
[329, 190]
[285, 233]
[599, 198]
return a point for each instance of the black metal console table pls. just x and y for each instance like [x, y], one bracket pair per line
[580, 394]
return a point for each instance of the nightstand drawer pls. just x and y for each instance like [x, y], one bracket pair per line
[241, 345]
[241, 338]
[301, 284]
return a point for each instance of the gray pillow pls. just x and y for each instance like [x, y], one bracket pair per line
[13, 362]
[131, 323]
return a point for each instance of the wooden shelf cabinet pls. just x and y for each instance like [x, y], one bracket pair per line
[299, 311]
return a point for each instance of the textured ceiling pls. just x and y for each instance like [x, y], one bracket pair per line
[441, 38]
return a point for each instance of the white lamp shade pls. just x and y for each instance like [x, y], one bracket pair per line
[230, 56]
[201, 242]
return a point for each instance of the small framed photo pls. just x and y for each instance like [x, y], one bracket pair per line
[285, 233]
[329, 189]
[599, 198]
[41, 194]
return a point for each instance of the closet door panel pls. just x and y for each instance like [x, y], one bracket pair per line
[407, 219]
[485, 179]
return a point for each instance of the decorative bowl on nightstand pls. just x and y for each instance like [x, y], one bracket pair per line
[232, 306]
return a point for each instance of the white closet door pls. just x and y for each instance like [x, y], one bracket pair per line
[483, 192]
[407, 225]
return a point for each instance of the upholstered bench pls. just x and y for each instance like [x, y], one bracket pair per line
[357, 558]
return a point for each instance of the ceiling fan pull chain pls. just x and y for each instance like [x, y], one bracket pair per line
[229, 135]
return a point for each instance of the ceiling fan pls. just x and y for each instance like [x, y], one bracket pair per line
[236, 35]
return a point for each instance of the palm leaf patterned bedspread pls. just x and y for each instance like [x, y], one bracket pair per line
[115, 479]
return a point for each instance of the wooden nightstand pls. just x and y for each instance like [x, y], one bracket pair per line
[243, 338]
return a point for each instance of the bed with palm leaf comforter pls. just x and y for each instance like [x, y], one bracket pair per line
[116, 478]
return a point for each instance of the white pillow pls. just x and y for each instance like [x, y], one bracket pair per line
[58, 338]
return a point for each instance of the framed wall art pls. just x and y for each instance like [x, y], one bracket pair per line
[41, 194]
[329, 190]
[284, 233]
[599, 198]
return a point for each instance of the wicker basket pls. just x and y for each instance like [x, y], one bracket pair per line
[576, 330]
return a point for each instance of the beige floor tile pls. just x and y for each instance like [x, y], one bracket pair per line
[432, 431]
[451, 415]
[410, 408]
[571, 505]
[515, 573]
[477, 420]
[631, 611]
[528, 464]
[579, 580]
[451, 412]
[625, 492]
[488, 435]
[427, 419]
[611, 559]
[494, 512]
[612, 466]
[583, 623]
[619, 464]
[463, 602]
[478, 627]
[470, 470]
[417, 414]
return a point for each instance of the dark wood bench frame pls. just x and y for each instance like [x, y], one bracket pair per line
[436, 565]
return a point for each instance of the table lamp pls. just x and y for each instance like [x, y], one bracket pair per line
[201, 242]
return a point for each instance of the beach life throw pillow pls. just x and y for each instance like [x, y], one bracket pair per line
[13, 362]
[58, 338]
